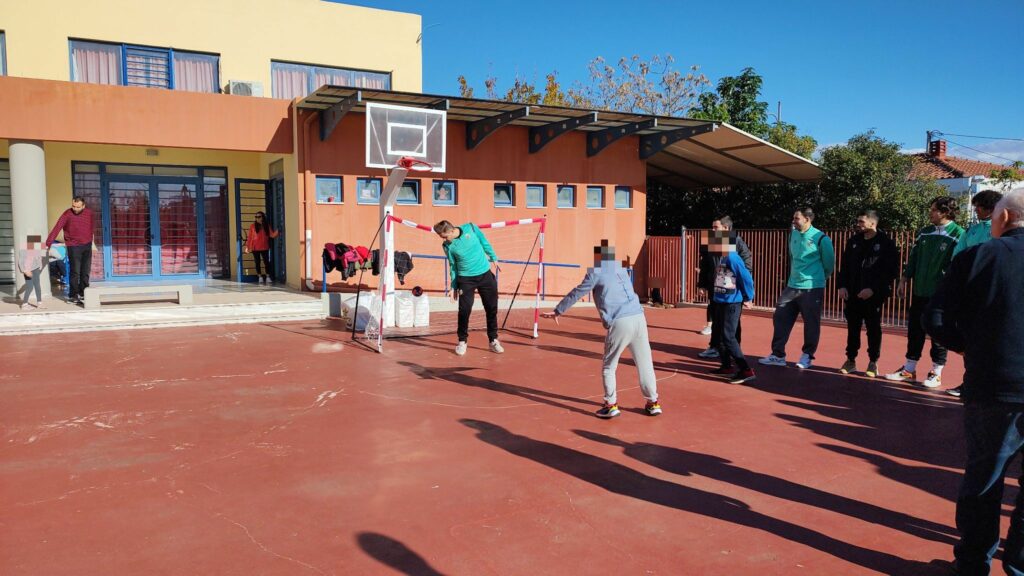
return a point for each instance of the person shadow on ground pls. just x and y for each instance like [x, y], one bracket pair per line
[687, 463]
[625, 481]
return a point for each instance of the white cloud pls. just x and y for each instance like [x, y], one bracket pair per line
[997, 151]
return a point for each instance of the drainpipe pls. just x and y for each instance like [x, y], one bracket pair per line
[305, 201]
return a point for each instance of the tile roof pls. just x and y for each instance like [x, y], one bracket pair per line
[926, 166]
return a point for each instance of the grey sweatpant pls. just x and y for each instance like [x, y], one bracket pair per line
[629, 332]
[33, 284]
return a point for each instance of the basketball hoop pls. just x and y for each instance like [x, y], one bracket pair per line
[414, 164]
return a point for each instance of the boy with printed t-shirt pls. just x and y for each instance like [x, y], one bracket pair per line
[929, 259]
[733, 291]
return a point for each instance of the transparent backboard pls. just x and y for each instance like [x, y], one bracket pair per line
[396, 132]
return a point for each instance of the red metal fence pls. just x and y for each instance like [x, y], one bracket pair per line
[663, 259]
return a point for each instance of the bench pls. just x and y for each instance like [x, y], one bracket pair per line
[93, 293]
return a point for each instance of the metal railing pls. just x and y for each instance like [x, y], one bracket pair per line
[674, 269]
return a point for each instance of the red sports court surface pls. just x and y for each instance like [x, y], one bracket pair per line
[286, 449]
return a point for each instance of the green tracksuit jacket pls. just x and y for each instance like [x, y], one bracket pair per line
[930, 256]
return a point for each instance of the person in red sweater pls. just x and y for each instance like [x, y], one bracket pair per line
[77, 225]
[258, 243]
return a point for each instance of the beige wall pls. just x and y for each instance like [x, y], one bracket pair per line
[247, 34]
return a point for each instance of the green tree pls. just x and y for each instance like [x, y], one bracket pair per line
[736, 100]
[1006, 177]
[871, 172]
[784, 135]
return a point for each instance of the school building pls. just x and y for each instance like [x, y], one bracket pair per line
[177, 122]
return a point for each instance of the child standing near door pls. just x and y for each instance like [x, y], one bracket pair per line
[31, 258]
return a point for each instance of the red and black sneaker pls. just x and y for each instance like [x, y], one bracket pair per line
[742, 377]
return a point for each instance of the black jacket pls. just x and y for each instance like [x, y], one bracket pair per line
[709, 263]
[978, 310]
[878, 270]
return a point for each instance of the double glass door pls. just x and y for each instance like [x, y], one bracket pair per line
[152, 228]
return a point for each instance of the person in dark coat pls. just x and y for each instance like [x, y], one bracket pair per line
[706, 283]
[978, 311]
[869, 265]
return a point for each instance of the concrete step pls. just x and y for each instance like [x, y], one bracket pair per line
[43, 322]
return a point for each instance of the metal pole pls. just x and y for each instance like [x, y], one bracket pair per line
[682, 258]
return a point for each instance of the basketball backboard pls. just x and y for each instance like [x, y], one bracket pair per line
[396, 132]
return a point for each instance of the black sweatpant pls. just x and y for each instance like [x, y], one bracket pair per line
[916, 333]
[716, 331]
[257, 255]
[869, 313]
[727, 316]
[487, 285]
[81, 262]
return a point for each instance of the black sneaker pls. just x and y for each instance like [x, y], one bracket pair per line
[723, 371]
[742, 377]
[608, 411]
[955, 391]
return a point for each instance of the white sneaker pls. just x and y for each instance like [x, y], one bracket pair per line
[496, 347]
[933, 380]
[24, 305]
[805, 362]
[773, 360]
[706, 331]
[461, 349]
[709, 353]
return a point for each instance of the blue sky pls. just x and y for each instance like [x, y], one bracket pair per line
[899, 66]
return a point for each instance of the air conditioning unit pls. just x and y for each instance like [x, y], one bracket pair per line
[245, 88]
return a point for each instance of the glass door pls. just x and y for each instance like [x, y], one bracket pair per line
[130, 229]
[153, 227]
[178, 236]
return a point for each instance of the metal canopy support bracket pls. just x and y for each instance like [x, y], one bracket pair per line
[445, 104]
[541, 136]
[601, 139]
[651, 144]
[477, 131]
[330, 117]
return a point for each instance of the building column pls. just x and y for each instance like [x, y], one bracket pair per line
[28, 200]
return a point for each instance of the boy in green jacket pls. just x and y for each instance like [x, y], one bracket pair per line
[929, 259]
[470, 258]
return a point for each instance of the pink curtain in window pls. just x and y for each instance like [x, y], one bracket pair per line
[195, 73]
[96, 63]
[289, 82]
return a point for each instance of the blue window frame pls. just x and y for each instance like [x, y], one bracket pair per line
[368, 190]
[623, 197]
[296, 80]
[504, 195]
[595, 196]
[147, 66]
[566, 196]
[329, 190]
[536, 195]
[409, 193]
[3, 54]
[446, 193]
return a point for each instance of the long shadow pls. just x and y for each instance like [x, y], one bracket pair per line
[686, 463]
[625, 481]
[676, 349]
[393, 553]
[689, 368]
[458, 376]
[876, 417]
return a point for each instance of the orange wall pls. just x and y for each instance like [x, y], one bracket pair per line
[56, 111]
[503, 157]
